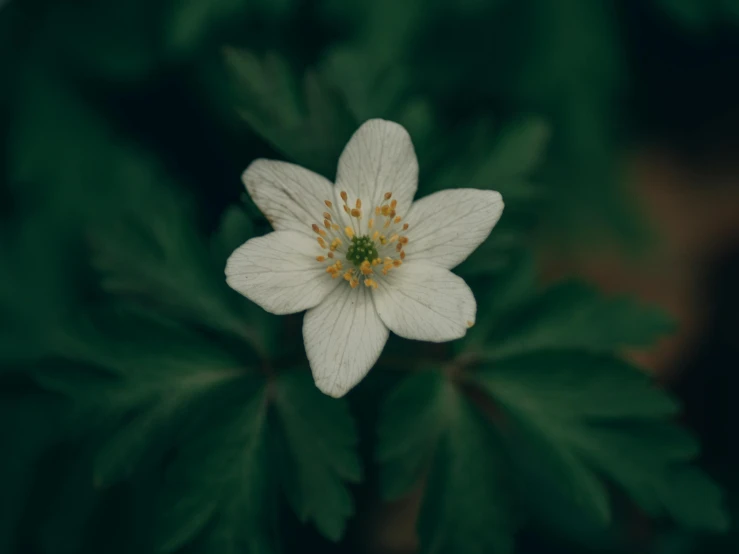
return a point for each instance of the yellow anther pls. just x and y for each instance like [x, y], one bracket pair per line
[354, 283]
[388, 195]
[365, 268]
[377, 210]
[387, 224]
[320, 258]
[470, 323]
[356, 213]
[385, 210]
[403, 240]
[349, 232]
[339, 265]
[346, 209]
[398, 247]
[393, 237]
[405, 227]
[402, 255]
[376, 261]
[370, 283]
[326, 223]
[321, 242]
[397, 219]
[330, 254]
[335, 243]
[397, 263]
[344, 196]
[348, 275]
[335, 227]
[329, 204]
[371, 223]
[383, 240]
[358, 203]
[375, 235]
[393, 204]
[327, 215]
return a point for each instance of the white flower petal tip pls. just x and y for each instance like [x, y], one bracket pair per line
[425, 302]
[447, 226]
[360, 256]
[279, 272]
[344, 337]
[379, 158]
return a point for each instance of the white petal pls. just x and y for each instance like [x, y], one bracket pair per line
[343, 337]
[425, 302]
[379, 158]
[279, 272]
[291, 197]
[447, 226]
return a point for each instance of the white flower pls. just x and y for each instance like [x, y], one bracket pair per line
[361, 256]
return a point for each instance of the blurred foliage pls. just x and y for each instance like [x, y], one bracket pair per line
[149, 408]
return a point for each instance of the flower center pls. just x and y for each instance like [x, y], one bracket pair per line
[361, 249]
[366, 248]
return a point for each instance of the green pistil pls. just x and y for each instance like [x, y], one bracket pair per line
[361, 249]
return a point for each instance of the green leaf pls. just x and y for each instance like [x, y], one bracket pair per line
[317, 454]
[583, 412]
[218, 491]
[424, 423]
[134, 395]
[408, 429]
[466, 494]
[234, 229]
[574, 316]
[305, 119]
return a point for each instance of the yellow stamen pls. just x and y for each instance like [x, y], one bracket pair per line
[356, 213]
[393, 204]
[365, 268]
[402, 255]
[371, 223]
[335, 227]
[349, 232]
[321, 242]
[330, 254]
[388, 195]
[393, 238]
[383, 240]
[335, 243]
[329, 204]
[405, 227]
[326, 223]
[377, 210]
[327, 215]
[375, 235]
[344, 196]
[370, 283]
[354, 283]
[376, 261]
[397, 219]
[348, 275]
[320, 258]
[358, 203]
[346, 209]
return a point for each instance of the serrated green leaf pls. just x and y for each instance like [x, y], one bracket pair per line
[234, 229]
[408, 428]
[598, 413]
[318, 453]
[135, 394]
[466, 494]
[303, 117]
[573, 315]
[218, 491]
[426, 423]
